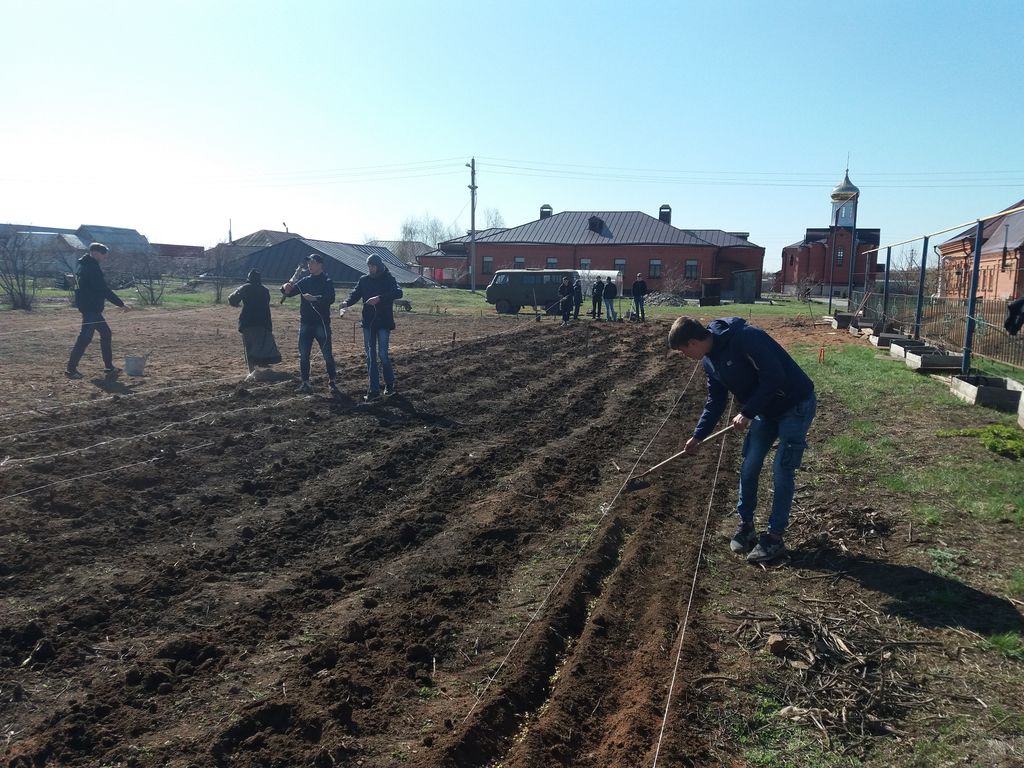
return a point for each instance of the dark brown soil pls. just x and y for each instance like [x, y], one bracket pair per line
[200, 572]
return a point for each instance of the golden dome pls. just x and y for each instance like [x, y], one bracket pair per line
[846, 190]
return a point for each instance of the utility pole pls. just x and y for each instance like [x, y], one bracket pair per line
[472, 223]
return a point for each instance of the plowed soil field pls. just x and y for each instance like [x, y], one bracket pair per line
[196, 571]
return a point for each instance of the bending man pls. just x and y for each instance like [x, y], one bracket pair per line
[777, 401]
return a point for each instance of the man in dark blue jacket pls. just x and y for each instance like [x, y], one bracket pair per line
[90, 297]
[317, 292]
[777, 401]
[378, 290]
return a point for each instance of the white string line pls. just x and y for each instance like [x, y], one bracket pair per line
[689, 602]
[129, 438]
[127, 414]
[72, 324]
[117, 469]
[10, 461]
[605, 509]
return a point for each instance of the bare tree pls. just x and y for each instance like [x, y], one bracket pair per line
[493, 218]
[428, 229]
[16, 278]
[675, 281]
[148, 277]
[219, 260]
[905, 274]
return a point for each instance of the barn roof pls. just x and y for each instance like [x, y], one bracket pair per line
[596, 228]
[1005, 230]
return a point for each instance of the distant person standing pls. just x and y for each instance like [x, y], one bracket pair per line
[610, 293]
[378, 291]
[596, 294]
[565, 294]
[255, 324]
[639, 291]
[577, 298]
[317, 292]
[90, 296]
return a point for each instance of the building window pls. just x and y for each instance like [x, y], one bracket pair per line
[619, 265]
[552, 262]
[839, 257]
[585, 265]
[654, 268]
[690, 271]
[519, 262]
[488, 265]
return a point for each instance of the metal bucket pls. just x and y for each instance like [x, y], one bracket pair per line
[134, 365]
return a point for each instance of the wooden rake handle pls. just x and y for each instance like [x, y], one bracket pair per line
[677, 455]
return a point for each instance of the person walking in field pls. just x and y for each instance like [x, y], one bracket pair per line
[611, 291]
[639, 291]
[777, 402]
[255, 324]
[596, 295]
[91, 295]
[317, 293]
[378, 291]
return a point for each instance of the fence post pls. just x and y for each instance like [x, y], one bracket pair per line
[972, 300]
[920, 289]
[885, 289]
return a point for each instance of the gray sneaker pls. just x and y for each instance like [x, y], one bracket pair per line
[767, 549]
[744, 539]
[305, 388]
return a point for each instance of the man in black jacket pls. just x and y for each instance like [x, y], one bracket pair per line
[1014, 316]
[596, 295]
[378, 291]
[90, 296]
[317, 292]
[565, 300]
[577, 297]
[639, 291]
[255, 324]
[611, 291]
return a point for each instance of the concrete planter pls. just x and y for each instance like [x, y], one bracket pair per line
[841, 320]
[883, 340]
[929, 359]
[900, 347]
[988, 392]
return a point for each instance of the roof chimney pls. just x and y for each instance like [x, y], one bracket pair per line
[596, 224]
[545, 211]
[665, 214]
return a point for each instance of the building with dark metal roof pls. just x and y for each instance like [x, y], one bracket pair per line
[668, 258]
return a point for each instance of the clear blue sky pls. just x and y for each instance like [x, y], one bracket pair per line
[342, 119]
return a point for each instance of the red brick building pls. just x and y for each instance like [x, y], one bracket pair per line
[629, 242]
[1001, 273]
[823, 256]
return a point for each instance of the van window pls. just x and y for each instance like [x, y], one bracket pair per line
[500, 279]
[533, 279]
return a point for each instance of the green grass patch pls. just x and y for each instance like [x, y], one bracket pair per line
[1015, 584]
[1004, 439]
[1010, 644]
[928, 514]
[946, 562]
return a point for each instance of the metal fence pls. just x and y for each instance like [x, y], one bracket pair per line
[944, 323]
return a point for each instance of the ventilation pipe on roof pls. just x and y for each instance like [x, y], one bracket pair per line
[596, 224]
[665, 213]
[545, 211]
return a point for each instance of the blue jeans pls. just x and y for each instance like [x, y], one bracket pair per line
[609, 309]
[375, 341]
[790, 428]
[92, 322]
[322, 333]
[638, 303]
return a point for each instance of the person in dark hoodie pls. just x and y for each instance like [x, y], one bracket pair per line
[90, 297]
[378, 291]
[639, 291]
[596, 296]
[565, 300]
[255, 324]
[317, 292]
[577, 298]
[777, 402]
[1014, 316]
